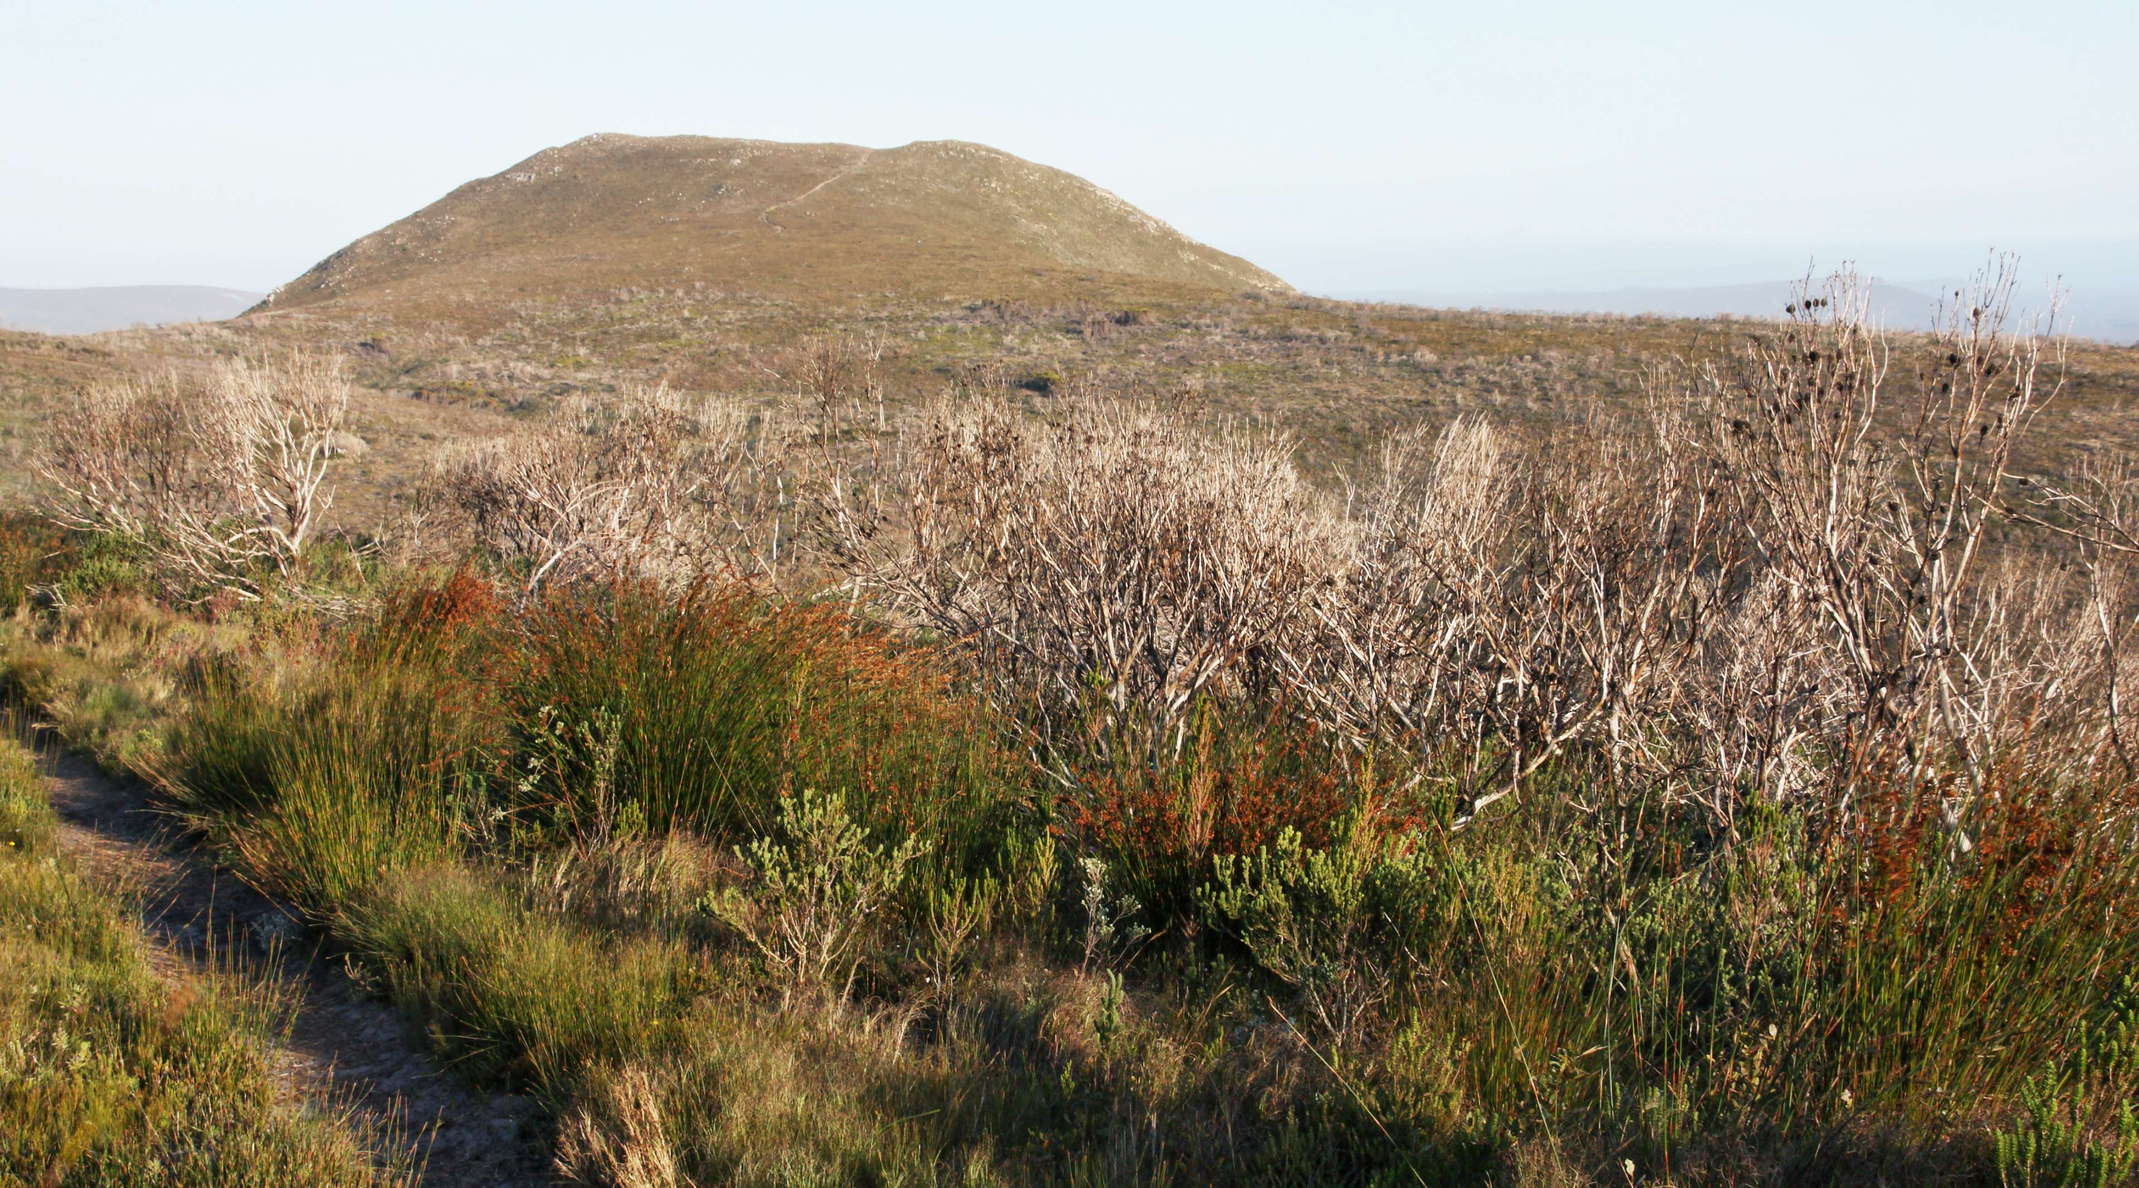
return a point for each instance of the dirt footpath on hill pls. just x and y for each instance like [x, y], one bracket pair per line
[344, 1051]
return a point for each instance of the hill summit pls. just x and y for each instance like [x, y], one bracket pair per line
[807, 222]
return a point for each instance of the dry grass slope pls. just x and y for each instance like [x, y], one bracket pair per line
[810, 222]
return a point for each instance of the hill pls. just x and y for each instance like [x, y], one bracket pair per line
[115, 307]
[814, 223]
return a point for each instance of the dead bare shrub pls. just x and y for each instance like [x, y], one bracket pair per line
[1118, 560]
[1877, 518]
[651, 483]
[843, 378]
[1783, 573]
[1514, 599]
[223, 481]
[2095, 510]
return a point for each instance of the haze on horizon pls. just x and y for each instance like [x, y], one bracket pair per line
[1364, 149]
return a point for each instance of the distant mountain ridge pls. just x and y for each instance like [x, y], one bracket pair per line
[804, 222]
[115, 307]
[1891, 305]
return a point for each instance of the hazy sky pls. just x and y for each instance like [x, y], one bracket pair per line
[1350, 147]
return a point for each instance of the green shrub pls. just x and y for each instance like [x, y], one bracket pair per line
[1276, 945]
[1342, 926]
[707, 710]
[334, 771]
[2051, 1146]
[818, 884]
[1159, 814]
[103, 564]
[31, 553]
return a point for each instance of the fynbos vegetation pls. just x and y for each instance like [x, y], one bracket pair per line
[1012, 788]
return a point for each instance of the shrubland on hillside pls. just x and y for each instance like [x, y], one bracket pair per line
[1006, 788]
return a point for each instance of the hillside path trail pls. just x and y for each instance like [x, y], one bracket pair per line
[860, 159]
[344, 1052]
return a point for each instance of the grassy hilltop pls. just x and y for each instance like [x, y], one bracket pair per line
[825, 223]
